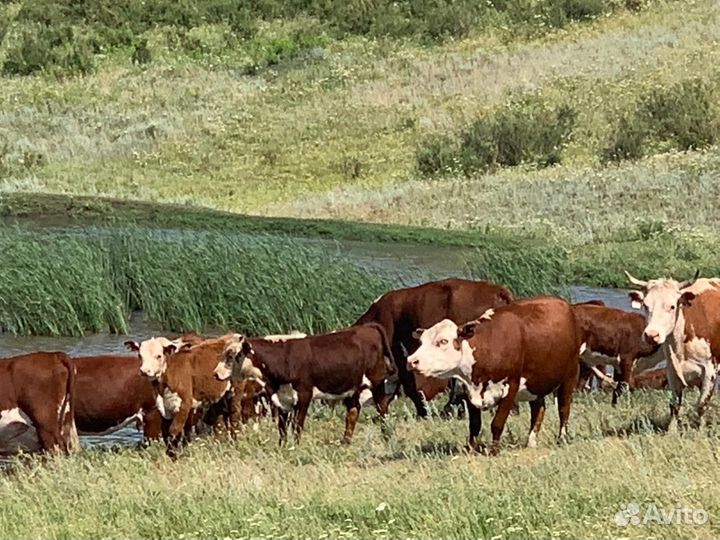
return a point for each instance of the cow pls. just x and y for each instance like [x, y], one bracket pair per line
[684, 319]
[185, 385]
[612, 337]
[111, 393]
[36, 403]
[401, 311]
[335, 366]
[520, 352]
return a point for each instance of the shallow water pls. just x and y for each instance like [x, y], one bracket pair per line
[411, 263]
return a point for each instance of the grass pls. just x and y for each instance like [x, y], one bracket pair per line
[69, 283]
[415, 484]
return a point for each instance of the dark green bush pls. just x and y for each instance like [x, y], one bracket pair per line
[56, 49]
[628, 141]
[437, 154]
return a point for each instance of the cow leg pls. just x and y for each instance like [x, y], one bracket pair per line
[676, 395]
[537, 414]
[282, 417]
[351, 418]
[475, 424]
[500, 419]
[152, 425]
[407, 381]
[623, 377]
[564, 400]
[301, 410]
[178, 427]
[707, 387]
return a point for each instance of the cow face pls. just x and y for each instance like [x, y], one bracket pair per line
[439, 354]
[237, 360]
[153, 355]
[661, 299]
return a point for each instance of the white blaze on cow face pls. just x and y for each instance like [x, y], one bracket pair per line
[235, 361]
[661, 300]
[153, 354]
[441, 354]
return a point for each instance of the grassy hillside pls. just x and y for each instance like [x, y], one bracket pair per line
[417, 483]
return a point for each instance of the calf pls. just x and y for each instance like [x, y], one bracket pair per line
[334, 366]
[185, 383]
[520, 352]
[612, 337]
[683, 318]
[36, 403]
[401, 311]
[111, 393]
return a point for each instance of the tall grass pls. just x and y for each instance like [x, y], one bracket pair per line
[68, 283]
[417, 483]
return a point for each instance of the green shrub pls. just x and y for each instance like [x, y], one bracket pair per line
[627, 141]
[437, 154]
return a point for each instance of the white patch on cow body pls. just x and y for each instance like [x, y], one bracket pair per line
[168, 403]
[285, 398]
[488, 394]
[319, 394]
[366, 382]
[532, 439]
[523, 394]
[366, 397]
[279, 338]
[223, 371]
[17, 432]
[488, 314]
[196, 404]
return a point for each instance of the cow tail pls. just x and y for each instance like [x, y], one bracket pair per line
[387, 350]
[68, 408]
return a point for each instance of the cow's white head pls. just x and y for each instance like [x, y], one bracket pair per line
[661, 299]
[236, 361]
[442, 350]
[153, 354]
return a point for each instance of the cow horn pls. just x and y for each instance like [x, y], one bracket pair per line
[636, 281]
[689, 282]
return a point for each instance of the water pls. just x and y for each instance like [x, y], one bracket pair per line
[411, 263]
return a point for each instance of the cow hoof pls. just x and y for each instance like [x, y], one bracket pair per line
[346, 440]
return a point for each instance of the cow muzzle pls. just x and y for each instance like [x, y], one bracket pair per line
[412, 363]
[653, 337]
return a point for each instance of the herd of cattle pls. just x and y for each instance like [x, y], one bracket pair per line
[423, 340]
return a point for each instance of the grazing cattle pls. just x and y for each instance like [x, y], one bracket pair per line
[335, 366]
[185, 384]
[612, 337]
[684, 319]
[111, 393]
[36, 403]
[401, 311]
[520, 352]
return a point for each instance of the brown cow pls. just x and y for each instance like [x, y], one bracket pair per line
[520, 352]
[613, 337]
[36, 403]
[684, 319]
[185, 384]
[335, 366]
[401, 311]
[111, 393]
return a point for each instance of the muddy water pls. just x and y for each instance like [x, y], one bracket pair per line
[412, 264]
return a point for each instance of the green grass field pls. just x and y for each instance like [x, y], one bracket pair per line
[416, 483]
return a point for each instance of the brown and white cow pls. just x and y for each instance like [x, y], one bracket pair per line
[185, 384]
[520, 352]
[331, 367]
[36, 403]
[111, 393]
[401, 311]
[684, 319]
[613, 337]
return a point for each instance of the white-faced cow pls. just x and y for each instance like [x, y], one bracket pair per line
[684, 319]
[520, 352]
[401, 311]
[36, 403]
[338, 366]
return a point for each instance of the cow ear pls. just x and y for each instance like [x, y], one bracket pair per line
[132, 345]
[170, 349]
[687, 298]
[636, 299]
[247, 348]
[466, 331]
[417, 333]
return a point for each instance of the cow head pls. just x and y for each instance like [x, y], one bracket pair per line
[661, 299]
[237, 361]
[153, 354]
[440, 351]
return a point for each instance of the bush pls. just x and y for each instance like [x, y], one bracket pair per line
[525, 130]
[56, 49]
[627, 141]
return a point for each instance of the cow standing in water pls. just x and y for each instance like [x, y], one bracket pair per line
[520, 352]
[36, 403]
[401, 311]
[684, 320]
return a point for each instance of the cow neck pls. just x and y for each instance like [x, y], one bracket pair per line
[464, 370]
[675, 345]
